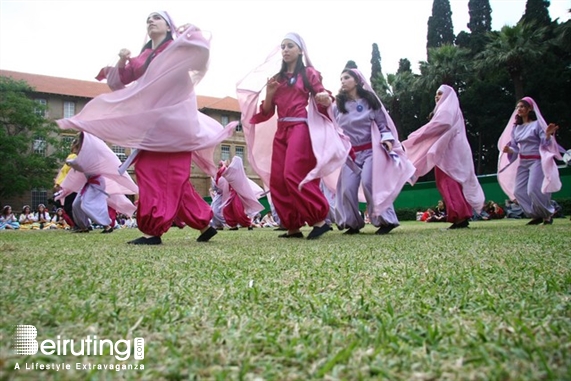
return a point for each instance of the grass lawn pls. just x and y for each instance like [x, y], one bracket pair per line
[423, 303]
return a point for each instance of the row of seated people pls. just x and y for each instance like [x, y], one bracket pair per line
[42, 219]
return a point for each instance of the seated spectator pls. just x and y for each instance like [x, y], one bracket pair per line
[8, 220]
[268, 221]
[495, 212]
[426, 215]
[42, 218]
[513, 209]
[26, 218]
[59, 221]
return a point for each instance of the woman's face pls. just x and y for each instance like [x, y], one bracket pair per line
[438, 96]
[348, 82]
[41, 208]
[290, 51]
[522, 109]
[156, 25]
[27, 210]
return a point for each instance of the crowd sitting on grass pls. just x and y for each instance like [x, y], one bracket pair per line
[42, 219]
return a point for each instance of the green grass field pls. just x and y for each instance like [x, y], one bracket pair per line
[424, 303]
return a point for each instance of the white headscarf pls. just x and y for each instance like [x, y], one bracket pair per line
[299, 42]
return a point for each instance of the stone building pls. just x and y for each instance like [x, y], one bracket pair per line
[66, 97]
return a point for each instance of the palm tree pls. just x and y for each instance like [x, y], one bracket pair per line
[447, 64]
[513, 48]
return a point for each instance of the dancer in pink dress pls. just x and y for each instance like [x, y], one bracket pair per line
[304, 145]
[442, 144]
[157, 116]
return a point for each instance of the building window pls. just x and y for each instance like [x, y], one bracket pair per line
[224, 152]
[41, 110]
[66, 142]
[68, 109]
[40, 146]
[39, 196]
[239, 127]
[120, 152]
[240, 152]
[224, 119]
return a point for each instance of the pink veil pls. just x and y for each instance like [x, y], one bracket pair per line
[96, 158]
[507, 170]
[159, 112]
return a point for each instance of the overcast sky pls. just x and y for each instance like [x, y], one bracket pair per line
[74, 39]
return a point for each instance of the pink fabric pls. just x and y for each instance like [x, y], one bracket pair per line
[442, 142]
[159, 111]
[233, 211]
[292, 159]
[457, 208]
[395, 171]
[96, 158]
[507, 171]
[246, 190]
[166, 193]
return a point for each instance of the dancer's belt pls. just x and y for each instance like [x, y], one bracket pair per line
[363, 147]
[529, 157]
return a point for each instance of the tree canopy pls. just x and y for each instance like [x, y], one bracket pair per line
[26, 137]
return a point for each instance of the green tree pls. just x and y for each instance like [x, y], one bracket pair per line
[446, 65]
[480, 24]
[480, 16]
[440, 28]
[351, 65]
[536, 12]
[378, 81]
[25, 138]
[513, 48]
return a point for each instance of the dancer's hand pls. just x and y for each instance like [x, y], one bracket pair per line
[550, 131]
[323, 98]
[507, 149]
[388, 145]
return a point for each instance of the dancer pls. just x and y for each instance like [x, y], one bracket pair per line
[305, 146]
[526, 170]
[442, 144]
[383, 167]
[157, 116]
[239, 196]
[99, 186]
[217, 221]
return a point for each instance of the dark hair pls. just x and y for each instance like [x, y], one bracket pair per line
[5, 210]
[299, 69]
[368, 96]
[532, 115]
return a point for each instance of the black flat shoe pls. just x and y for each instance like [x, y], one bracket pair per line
[352, 231]
[548, 222]
[208, 233]
[460, 225]
[146, 241]
[234, 228]
[385, 229]
[535, 221]
[293, 235]
[318, 231]
[106, 231]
